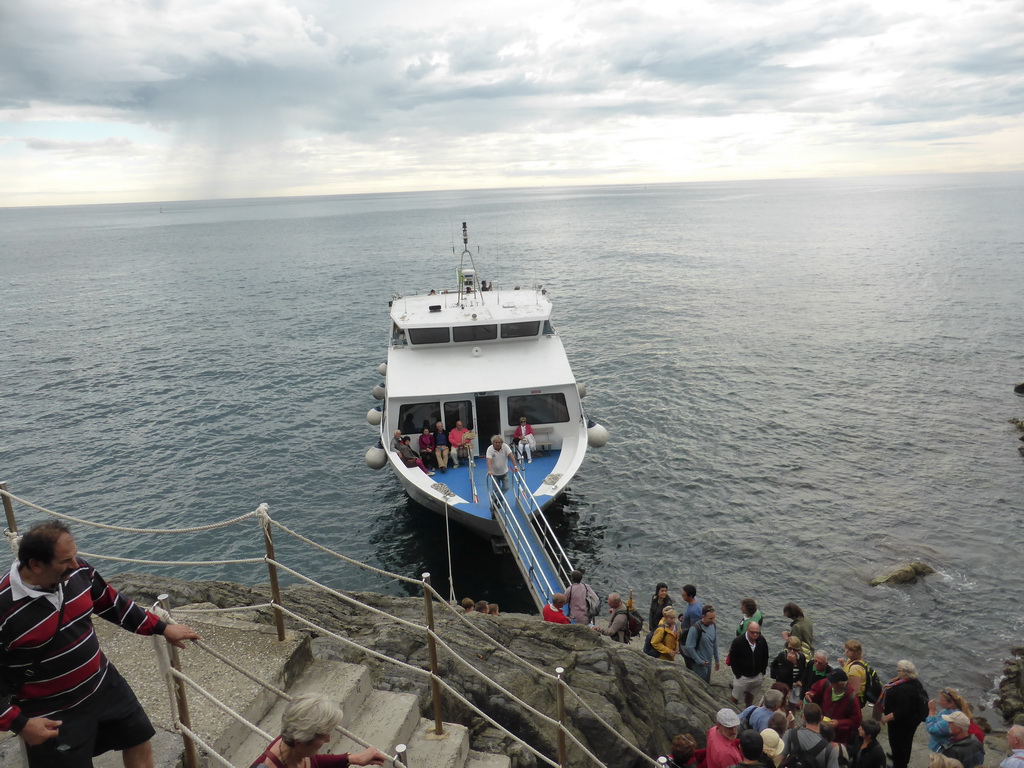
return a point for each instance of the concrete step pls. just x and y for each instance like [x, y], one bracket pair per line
[385, 721]
[485, 760]
[428, 750]
[253, 646]
[345, 684]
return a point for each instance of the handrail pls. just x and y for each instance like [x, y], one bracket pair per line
[265, 520]
[525, 553]
[545, 534]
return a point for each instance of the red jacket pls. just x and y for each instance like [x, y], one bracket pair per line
[554, 615]
[845, 712]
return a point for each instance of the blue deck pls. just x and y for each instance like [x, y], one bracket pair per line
[458, 481]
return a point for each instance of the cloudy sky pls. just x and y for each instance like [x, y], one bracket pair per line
[125, 100]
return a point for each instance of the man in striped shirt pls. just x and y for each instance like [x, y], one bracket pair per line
[60, 694]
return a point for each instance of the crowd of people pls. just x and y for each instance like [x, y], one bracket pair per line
[817, 713]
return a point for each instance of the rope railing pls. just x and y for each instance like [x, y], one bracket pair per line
[267, 523]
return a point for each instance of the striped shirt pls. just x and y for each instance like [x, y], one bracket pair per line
[72, 666]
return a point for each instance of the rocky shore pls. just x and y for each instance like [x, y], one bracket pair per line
[1011, 689]
[646, 701]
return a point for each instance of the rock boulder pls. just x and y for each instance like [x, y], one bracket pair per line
[907, 573]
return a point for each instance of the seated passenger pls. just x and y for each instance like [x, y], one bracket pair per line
[410, 457]
[525, 439]
[427, 447]
[396, 440]
[441, 448]
[461, 446]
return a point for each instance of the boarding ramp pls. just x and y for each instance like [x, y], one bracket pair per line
[533, 543]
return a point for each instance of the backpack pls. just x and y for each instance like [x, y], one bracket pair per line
[872, 685]
[634, 623]
[798, 757]
[745, 717]
[648, 647]
[593, 603]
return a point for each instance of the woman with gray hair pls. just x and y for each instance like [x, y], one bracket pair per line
[903, 705]
[306, 726]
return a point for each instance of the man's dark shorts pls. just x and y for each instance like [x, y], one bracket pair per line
[111, 718]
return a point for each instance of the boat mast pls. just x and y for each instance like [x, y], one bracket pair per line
[468, 283]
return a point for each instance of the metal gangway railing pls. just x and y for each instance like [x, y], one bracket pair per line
[533, 543]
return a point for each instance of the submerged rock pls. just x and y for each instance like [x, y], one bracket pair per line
[906, 573]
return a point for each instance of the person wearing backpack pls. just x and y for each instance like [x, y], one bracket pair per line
[864, 681]
[702, 644]
[904, 706]
[806, 747]
[584, 604]
[618, 625]
[665, 639]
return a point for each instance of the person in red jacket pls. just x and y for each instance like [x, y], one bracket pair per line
[555, 610]
[67, 701]
[838, 704]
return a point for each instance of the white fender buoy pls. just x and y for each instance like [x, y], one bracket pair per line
[382, 369]
[597, 435]
[375, 415]
[582, 389]
[378, 392]
[376, 457]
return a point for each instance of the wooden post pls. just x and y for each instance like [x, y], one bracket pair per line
[560, 698]
[12, 522]
[275, 587]
[435, 686]
[191, 756]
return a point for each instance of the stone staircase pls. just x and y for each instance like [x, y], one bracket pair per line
[381, 718]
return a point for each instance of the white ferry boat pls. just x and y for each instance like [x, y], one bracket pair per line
[484, 355]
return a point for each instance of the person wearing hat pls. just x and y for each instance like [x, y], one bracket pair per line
[962, 745]
[838, 704]
[723, 750]
[772, 745]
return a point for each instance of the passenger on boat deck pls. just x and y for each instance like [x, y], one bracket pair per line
[527, 441]
[458, 442]
[440, 448]
[396, 440]
[427, 447]
[410, 457]
[497, 461]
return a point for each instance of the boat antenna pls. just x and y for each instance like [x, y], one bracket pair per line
[473, 286]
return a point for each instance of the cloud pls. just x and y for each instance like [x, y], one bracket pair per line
[504, 83]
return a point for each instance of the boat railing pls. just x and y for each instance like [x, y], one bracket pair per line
[545, 533]
[526, 548]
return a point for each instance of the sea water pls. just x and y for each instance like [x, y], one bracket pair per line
[805, 381]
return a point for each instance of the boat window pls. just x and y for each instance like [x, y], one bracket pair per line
[413, 417]
[458, 410]
[519, 330]
[538, 409]
[474, 332]
[429, 335]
